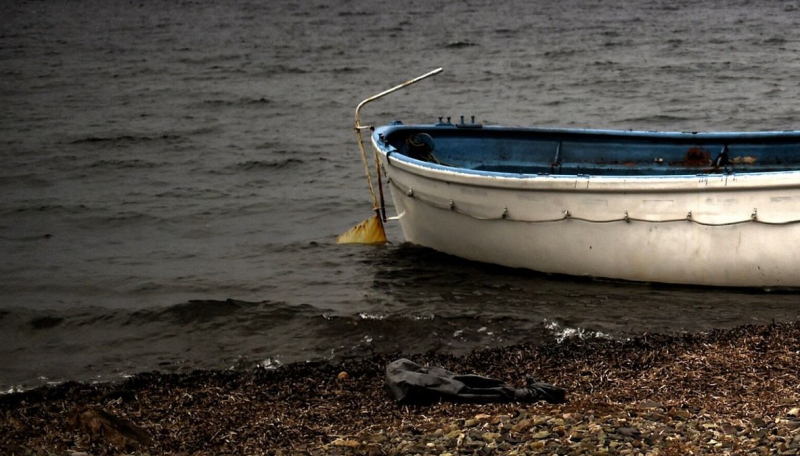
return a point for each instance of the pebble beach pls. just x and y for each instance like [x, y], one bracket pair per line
[720, 392]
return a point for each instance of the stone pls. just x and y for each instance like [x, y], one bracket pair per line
[630, 432]
[500, 419]
[679, 415]
[490, 437]
[522, 426]
[728, 429]
[101, 425]
[555, 422]
[541, 435]
[649, 405]
[340, 442]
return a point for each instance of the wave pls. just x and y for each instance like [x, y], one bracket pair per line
[205, 60]
[193, 312]
[774, 41]
[240, 102]
[346, 70]
[254, 165]
[125, 139]
[283, 69]
[28, 180]
[460, 44]
[506, 31]
[355, 14]
[52, 208]
[123, 164]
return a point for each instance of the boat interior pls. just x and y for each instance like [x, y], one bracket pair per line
[595, 152]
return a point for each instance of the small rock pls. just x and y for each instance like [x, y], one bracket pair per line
[101, 425]
[555, 422]
[648, 405]
[679, 415]
[345, 443]
[490, 437]
[541, 435]
[728, 429]
[630, 432]
[522, 426]
[794, 412]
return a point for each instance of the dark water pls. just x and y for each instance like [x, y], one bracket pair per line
[174, 173]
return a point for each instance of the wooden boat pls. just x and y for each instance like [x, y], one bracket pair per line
[717, 209]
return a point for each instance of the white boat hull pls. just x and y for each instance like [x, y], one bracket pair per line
[722, 230]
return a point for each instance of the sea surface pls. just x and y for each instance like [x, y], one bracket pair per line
[173, 174]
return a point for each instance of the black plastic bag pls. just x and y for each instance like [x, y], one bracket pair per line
[411, 383]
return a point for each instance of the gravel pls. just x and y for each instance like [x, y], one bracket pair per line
[723, 392]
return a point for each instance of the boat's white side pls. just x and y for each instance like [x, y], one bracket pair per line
[723, 230]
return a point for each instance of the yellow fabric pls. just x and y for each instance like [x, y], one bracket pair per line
[370, 231]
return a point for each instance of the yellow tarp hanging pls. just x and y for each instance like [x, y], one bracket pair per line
[370, 231]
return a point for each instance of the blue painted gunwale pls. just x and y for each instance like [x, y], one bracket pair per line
[528, 153]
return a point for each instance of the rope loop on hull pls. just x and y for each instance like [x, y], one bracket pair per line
[504, 214]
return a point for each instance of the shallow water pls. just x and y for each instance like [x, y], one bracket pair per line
[174, 174]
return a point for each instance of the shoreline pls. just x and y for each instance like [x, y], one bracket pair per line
[718, 392]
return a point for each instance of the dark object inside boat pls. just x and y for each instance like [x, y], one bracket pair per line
[411, 383]
[420, 146]
[595, 152]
